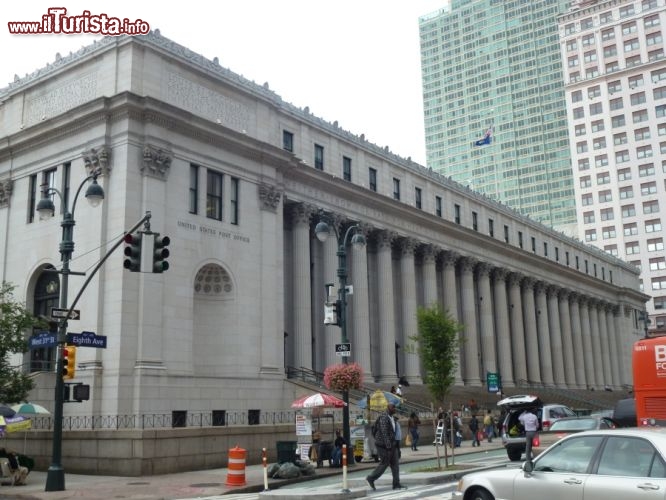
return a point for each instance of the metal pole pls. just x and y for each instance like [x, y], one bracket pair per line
[342, 295]
[55, 478]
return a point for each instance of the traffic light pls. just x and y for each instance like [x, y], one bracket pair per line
[160, 253]
[68, 362]
[133, 252]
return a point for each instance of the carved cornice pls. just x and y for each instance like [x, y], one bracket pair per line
[6, 187]
[156, 162]
[97, 160]
[269, 197]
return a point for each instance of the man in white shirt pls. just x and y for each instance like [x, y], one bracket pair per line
[531, 425]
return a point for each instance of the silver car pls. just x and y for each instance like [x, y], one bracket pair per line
[618, 464]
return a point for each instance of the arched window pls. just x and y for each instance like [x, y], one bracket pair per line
[47, 293]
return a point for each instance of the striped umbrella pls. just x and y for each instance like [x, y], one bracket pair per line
[318, 400]
[30, 409]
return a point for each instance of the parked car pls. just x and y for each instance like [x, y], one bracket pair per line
[617, 464]
[625, 413]
[513, 435]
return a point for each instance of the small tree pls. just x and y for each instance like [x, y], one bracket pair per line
[14, 321]
[438, 344]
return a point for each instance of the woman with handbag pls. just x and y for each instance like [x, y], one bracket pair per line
[413, 430]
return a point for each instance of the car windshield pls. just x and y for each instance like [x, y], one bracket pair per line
[579, 424]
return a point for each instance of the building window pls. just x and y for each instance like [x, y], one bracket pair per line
[587, 199]
[214, 195]
[628, 211]
[642, 134]
[32, 200]
[346, 169]
[608, 34]
[587, 267]
[651, 207]
[590, 235]
[584, 164]
[506, 233]
[626, 192]
[659, 283]
[629, 28]
[194, 189]
[622, 156]
[438, 206]
[631, 248]
[520, 239]
[648, 188]
[627, 11]
[652, 226]
[417, 197]
[596, 108]
[624, 174]
[658, 264]
[616, 104]
[605, 196]
[577, 262]
[545, 249]
[396, 189]
[66, 174]
[632, 44]
[491, 228]
[619, 139]
[655, 245]
[630, 229]
[319, 157]
[646, 170]
[618, 121]
[601, 161]
[372, 179]
[599, 143]
[557, 254]
[606, 214]
[456, 213]
[651, 21]
[288, 141]
[588, 217]
[235, 183]
[475, 221]
[533, 244]
[611, 249]
[639, 116]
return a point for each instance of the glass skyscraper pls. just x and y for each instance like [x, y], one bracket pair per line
[494, 66]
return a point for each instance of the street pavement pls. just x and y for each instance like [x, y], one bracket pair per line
[211, 482]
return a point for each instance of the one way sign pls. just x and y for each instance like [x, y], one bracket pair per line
[59, 313]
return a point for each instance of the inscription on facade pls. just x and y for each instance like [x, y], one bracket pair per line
[205, 102]
[61, 99]
[215, 233]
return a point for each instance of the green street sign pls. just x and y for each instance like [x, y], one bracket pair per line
[493, 382]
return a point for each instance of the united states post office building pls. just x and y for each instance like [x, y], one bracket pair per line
[238, 177]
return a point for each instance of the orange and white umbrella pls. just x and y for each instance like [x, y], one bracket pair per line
[318, 400]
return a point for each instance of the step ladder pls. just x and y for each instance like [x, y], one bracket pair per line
[439, 433]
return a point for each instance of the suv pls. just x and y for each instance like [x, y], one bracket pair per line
[513, 436]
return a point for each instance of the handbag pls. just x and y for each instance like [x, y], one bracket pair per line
[408, 440]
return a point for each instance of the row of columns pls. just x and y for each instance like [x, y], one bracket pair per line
[527, 330]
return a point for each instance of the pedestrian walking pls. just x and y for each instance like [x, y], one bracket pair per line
[531, 425]
[384, 433]
[489, 426]
[474, 428]
[413, 429]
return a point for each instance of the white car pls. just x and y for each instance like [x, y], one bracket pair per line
[617, 464]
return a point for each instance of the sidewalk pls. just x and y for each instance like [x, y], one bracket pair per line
[204, 483]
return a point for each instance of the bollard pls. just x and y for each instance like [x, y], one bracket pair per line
[236, 469]
[345, 486]
[264, 460]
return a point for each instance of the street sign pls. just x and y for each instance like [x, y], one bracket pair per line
[87, 339]
[493, 382]
[343, 350]
[43, 339]
[59, 313]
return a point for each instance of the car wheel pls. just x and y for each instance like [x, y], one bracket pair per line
[514, 455]
[480, 494]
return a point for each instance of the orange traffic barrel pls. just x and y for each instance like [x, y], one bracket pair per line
[236, 468]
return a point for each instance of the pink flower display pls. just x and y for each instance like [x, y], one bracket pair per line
[343, 377]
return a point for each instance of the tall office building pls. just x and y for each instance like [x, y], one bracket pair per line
[489, 64]
[616, 94]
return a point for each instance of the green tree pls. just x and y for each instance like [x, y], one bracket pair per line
[15, 319]
[438, 344]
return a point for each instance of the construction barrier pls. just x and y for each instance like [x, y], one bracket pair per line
[236, 468]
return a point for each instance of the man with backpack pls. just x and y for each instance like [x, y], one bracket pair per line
[384, 431]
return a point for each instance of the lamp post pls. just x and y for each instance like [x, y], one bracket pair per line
[322, 231]
[55, 479]
[645, 318]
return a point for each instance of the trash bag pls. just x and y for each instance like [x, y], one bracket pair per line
[288, 471]
[272, 470]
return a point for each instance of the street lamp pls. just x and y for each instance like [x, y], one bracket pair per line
[322, 231]
[645, 318]
[55, 479]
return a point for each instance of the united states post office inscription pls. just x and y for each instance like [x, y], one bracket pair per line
[212, 232]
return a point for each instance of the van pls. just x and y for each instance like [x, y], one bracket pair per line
[625, 413]
[513, 436]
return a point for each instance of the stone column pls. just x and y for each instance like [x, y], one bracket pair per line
[429, 275]
[577, 339]
[470, 332]
[519, 360]
[531, 339]
[302, 307]
[612, 344]
[360, 305]
[450, 289]
[543, 333]
[486, 326]
[605, 340]
[410, 367]
[598, 370]
[386, 320]
[555, 330]
[502, 327]
[590, 379]
[567, 339]
[332, 333]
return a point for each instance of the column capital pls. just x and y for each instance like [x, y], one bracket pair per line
[553, 290]
[384, 238]
[301, 213]
[540, 287]
[467, 264]
[407, 246]
[564, 294]
[515, 279]
[483, 269]
[528, 283]
[429, 252]
[500, 274]
[449, 258]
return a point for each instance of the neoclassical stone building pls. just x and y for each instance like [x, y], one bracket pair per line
[237, 178]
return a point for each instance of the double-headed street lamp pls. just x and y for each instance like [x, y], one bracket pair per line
[55, 479]
[323, 231]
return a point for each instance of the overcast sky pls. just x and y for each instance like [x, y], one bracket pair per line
[354, 61]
